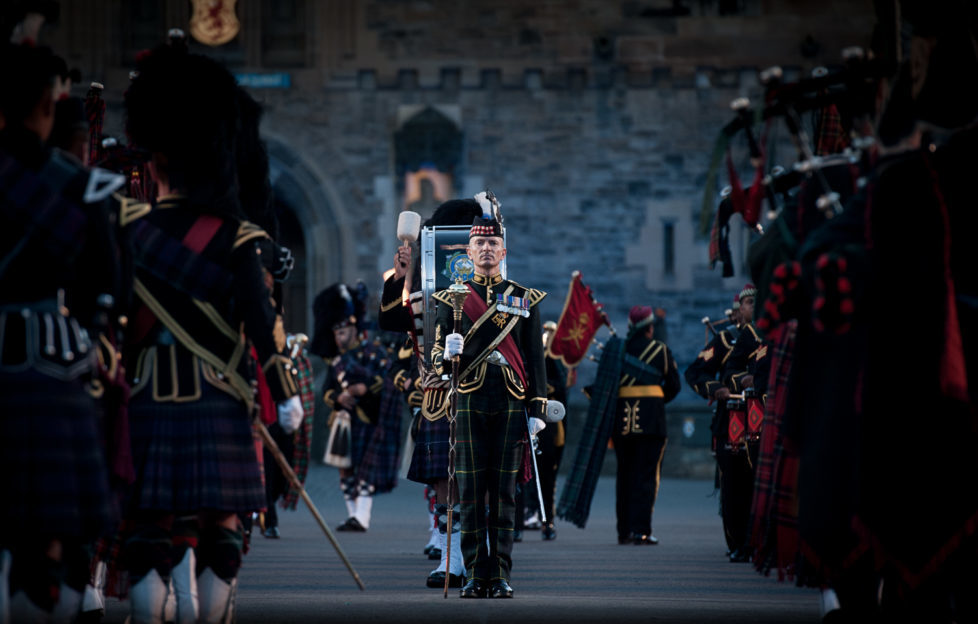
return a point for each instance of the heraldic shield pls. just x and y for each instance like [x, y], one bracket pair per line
[443, 259]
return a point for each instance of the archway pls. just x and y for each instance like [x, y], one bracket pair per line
[311, 226]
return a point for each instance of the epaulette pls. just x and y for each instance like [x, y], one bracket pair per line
[706, 354]
[753, 331]
[131, 210]
[248, 231]
[443, 296]
[532, 294]
[101, 184]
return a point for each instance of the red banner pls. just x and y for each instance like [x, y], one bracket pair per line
[579, 321]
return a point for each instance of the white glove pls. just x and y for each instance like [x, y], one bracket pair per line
[536, 425]
[290, 414]
[454, 344]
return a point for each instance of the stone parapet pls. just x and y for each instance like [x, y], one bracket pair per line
[646, 76]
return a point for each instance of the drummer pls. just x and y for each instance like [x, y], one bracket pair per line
[737, 447]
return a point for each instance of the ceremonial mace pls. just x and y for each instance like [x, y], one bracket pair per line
[408, 225]
[458, 291]
[283, 463]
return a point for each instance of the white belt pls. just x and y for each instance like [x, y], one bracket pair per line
[497, 358]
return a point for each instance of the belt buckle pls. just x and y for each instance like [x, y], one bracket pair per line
[495, 357]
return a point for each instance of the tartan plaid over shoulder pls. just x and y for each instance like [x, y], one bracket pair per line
[303, 435]
[575, 500]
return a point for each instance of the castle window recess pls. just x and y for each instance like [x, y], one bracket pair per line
[668, 249]
[427, 160]
[283, 33]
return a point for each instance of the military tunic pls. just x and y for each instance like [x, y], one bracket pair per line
[639, 433]
[493, 403]
[57, 260]
[198, 283]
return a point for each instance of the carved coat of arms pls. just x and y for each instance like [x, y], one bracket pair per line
[214, 22]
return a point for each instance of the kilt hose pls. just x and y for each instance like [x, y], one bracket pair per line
[194, 456]
[490, 434]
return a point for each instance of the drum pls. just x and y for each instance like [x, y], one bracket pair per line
[755, 414]
[736, 421]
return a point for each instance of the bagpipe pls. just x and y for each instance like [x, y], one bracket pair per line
[842, 100]
[710, 326]
[835, 152]
[350, 370]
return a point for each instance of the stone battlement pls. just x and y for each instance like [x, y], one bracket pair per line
[451, 79]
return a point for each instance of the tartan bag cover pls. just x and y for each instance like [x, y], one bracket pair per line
[575, 499]
[338, 445]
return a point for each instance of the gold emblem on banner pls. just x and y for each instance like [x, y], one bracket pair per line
[214, 22]
[577, 332]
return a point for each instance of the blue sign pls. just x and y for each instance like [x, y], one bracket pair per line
[265, 81]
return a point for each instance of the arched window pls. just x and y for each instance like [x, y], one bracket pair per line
[428, 156]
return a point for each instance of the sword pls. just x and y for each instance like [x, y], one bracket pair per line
[534, 441]
[555, 413]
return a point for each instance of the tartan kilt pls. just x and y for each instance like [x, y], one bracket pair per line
[430, 459]
[379, 463]
[53, 474]
[195, 455]
[360, 436]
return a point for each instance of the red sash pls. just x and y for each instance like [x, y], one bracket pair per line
[196, 239]
[475, 308]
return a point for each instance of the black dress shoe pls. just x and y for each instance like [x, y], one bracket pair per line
[437, 580]
[500, 589]
[517, 536]
[740, 556]
[624, 540]
[473, 589]
[548, 533]
[352, 524]
[645, 540]
[435, 554]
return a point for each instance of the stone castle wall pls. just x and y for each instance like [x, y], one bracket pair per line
[592, 121]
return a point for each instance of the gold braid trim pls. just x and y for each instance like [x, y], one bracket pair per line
[248, 231]
[131, 210]
[228, 369]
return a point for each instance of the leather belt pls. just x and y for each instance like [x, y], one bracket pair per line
[635, 392]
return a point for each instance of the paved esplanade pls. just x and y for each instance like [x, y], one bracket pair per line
[583, 576]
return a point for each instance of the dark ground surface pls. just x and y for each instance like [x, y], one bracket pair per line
[582, 576]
